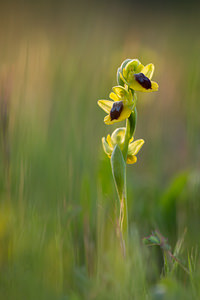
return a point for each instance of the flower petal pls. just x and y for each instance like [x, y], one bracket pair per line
[113, 96]
[118, 136]
[124, 63]
[109, 141]
[132, 66]
[148, 70]
[134, 147]
[106, 147]
[122, 78]
[106, 105]
[121, 92]
[131, 140]
[131, 159]
[139, 68]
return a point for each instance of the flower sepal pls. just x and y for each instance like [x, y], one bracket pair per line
[120, 71]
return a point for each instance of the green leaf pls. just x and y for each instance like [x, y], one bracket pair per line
[118, 169]
[168, 202]
[174, 190]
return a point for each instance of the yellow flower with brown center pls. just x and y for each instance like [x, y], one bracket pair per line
[117, 138]
[137, 76]
[119, 107]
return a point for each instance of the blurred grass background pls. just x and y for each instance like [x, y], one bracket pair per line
[57, 197]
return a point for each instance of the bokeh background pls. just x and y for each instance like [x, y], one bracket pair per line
[57, 196]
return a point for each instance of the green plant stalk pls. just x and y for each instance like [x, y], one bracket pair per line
[124, 213]
[130, 129]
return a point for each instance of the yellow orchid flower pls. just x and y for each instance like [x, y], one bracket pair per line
[118, 137]
[137, 76]
[119, 107]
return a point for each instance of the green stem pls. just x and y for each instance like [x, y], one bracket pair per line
[124, 213]
[130, 129]
[126, 141]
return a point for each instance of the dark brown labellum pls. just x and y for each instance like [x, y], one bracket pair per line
[116, 110]
[143, 80]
